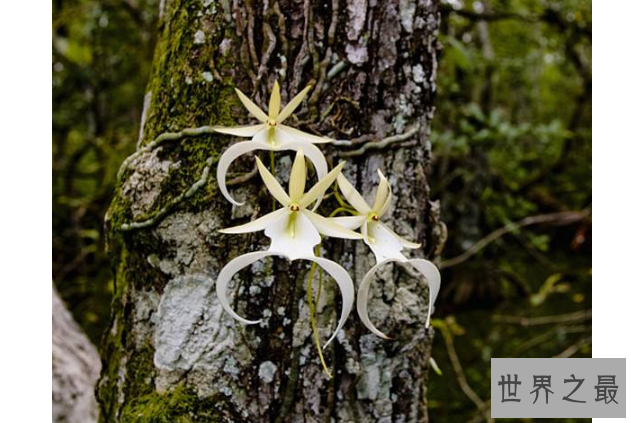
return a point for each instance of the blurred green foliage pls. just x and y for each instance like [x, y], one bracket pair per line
[102, 54]
[512, 165]
[512, 168]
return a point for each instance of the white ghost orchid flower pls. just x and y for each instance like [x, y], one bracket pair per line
[270, 134]
[384, 243]
[294, 231]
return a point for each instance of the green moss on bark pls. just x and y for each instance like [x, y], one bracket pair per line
[187, 92]
[184, 80]
[180, 405]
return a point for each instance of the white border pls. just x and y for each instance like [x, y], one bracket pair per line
[611, 181]
[25, 211]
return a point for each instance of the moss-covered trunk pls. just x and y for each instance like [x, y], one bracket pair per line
[171, 354]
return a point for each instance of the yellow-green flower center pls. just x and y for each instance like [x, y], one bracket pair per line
[373, 216]
[272, 122]
[271, 137]
[291, 222]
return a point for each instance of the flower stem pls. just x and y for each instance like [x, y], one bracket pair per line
[340, 200]
[343, 209]
[312, 311]
[272, 163]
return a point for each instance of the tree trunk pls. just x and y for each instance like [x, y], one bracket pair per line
[171, 353]
[76, 367]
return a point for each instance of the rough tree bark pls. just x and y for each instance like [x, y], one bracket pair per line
[171, 353]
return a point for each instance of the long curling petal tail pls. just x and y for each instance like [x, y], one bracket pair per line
[226, 274]
[362, 298]
[226, 159]
[344, 282]
[432, 275]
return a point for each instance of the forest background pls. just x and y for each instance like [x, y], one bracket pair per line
[511, 166]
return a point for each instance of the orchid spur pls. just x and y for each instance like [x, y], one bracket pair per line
[270, 134]
[294, 231]
[384, 243]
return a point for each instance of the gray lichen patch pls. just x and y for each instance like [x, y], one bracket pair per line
[199, 37]
[407, 10]
[145, 307]
[208, 76]
[357, 10]
[267, 370]
[302, 327]
[357, 54]
[407, 306]
[190, 323]
[142, 188]
[196, 340]
[186, 232]
[375, 381]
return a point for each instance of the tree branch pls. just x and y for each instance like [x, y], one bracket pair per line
[560, 218]
[460, 374]
[577, 316]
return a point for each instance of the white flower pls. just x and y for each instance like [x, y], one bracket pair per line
[384, 243]
[270, 135]
[294, 231]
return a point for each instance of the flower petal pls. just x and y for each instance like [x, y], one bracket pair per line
[293, 235]
[383, 211]
[298, 135]
[320, 188]
[274, 101]
[293, 104]
[344, 282]
[432, 276]
[383, 192]
[352, 195]
[272, 184]
[350, 222]
[226, 274]
[362, 298]
[298, 176]
[263, 137]
[314, 154]
[240, 131]
[256, 225]
[328, 227]
[252, 108]
[403, 241]
[228, 157]
[427, 269]
[383, 243]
